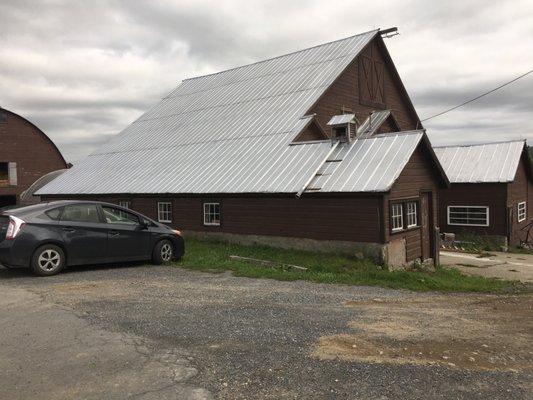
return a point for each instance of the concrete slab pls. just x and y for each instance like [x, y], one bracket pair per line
[498, 265]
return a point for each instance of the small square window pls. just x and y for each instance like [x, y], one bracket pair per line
[397, 217]
[212, 214]
[164, 211]
[522, 211]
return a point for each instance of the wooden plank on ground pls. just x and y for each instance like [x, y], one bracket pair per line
[267, 263]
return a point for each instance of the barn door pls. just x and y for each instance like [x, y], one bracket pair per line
[426, 223]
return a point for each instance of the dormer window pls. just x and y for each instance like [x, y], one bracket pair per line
[343, 127]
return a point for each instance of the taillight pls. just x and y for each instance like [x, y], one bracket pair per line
[14, 227]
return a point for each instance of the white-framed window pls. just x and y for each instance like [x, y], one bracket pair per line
[164, 211]
[522, 211]
[397, 217]
[212, 214]
[412, 215]
[125, 204]
[468, 215]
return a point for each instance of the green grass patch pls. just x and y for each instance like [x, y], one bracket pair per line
[213, 256]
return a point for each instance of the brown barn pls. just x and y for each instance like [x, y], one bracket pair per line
[314, 149]
[26, 154]
[489, 193]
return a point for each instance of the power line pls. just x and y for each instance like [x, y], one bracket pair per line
[479, 97]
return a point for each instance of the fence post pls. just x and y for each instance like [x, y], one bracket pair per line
[436, 246]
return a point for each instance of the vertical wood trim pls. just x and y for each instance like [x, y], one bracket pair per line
[12, 173]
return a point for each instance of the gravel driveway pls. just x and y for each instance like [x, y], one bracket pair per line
[144, 332]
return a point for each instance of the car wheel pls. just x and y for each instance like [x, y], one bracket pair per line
[48, 260]
[163, 252]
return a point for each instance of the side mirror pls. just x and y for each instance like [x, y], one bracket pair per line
[143, 225]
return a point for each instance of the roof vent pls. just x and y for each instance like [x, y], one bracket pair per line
[343, 127]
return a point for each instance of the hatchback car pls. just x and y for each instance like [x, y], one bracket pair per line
[46, 237]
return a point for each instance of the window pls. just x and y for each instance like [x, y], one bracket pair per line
[3, 117]
[397, 217]
[116, 216]
[4, 174]
[50, 215]
[80, 213]
[164, 212]
[412, 216]
[468, 215]
[125, 204]
[521, 211]
[340, 132]
[211, 213]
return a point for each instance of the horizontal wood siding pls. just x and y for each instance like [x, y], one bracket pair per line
[348, 218]
[418, 175]
[345, 92]
[518, 191]
[492, 195]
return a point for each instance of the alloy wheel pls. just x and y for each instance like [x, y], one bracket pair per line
[49, 260]
[166, 252]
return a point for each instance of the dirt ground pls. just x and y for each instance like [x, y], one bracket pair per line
[494, 265]
[146, 333]
[467, 332]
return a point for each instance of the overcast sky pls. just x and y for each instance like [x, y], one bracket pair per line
[83, 70]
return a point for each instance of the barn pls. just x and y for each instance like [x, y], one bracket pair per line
[490, 188]
[317, 149]
[26, 154]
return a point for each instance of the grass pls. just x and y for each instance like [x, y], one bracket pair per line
[213, 256]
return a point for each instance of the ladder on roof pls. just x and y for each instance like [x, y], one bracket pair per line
[329, 165]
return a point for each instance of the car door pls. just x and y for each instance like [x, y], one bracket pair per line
[128, 239]
[84, 234]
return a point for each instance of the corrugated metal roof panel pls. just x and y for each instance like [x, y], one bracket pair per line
[225, 132]
[481, 163]
[341, 119]
[372, 123]
[368, 164]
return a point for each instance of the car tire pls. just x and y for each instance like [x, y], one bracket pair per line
[48, 260]
[163, 252]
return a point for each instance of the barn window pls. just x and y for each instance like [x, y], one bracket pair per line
[125, 204]
[3, 118]
[397, 217]
[4, 174]
[412, 216]
[521, 211]
[468, 215]
[164, 211]
[212, 214]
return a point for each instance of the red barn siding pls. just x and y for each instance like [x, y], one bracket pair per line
[419, 175]
[492, 195]
[345, 92]
[518, 191]
[354, 218]
[31, 149]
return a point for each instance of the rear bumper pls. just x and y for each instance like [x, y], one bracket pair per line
[13, 255]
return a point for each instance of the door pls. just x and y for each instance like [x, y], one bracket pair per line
[84, 234]
[426, 212]
[127, 238]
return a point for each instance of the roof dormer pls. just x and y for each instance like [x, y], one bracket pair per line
[343, 127]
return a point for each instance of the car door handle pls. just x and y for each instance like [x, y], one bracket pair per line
[113, 233]
[68, 229]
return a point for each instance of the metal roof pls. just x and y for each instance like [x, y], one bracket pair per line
[372, 123]
[341, 119]
[228, 132]
[481, 163]
[366, 165]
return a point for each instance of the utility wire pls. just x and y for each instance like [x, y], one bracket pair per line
[479, 97]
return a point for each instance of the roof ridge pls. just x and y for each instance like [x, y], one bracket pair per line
[479, 144]
[409, 132]
[280, 56]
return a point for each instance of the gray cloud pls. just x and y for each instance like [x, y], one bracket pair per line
[83, 71]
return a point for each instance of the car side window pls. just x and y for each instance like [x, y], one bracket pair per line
[80, 213]
[52, 214]
[116, 216]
